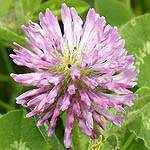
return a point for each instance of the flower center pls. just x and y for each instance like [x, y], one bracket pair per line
[70, 58]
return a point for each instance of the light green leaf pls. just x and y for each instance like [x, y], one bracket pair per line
[135, 129]
[116, 12]
[141, 127]
[53, 140]
[10, 24]
[55, 6]
[30, 6]
[111, 143]
[9, 36]
[138, 117]
[137, 36]
[14, 18]
[19, 133]
[142, 92]
[79, 140]
[129, 141]
[4, 6]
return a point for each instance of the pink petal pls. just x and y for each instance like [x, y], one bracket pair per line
[68, 129]
[75, 73]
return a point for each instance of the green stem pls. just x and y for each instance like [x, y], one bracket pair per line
[16, 90]
[127, 143]
[6, 60]
[128, 4]
[6, 106]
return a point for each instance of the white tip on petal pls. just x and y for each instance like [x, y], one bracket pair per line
[75, 73]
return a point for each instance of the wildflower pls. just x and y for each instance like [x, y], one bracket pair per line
[85, 71]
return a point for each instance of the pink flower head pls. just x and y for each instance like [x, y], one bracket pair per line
[72, 71]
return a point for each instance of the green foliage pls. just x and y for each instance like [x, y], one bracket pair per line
[7, 35]
[17, 131]
[80, 6]
[29, 6]
[137, 36]
[116, 13]
[4, 7]
[135, 131]
[139, 116]
[53, 140]
[79, 140]
[110, 143]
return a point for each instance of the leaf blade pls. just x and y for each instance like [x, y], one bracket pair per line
[20, 131]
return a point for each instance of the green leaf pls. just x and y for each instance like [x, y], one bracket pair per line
[110, 143]
[55, 6]
[129, 141]
[30, 6]
[135, 130]
[136, 144]
[141, 127]
[79, 140]
[142, 92]
[6, 59]
[90, 2]
[116, 12]
[4, 6]
[17, 132]
[5, 78]
[9, 36]
[53, 140]
[137, 36]
[14, 18]
[138, 117]
[5, 105]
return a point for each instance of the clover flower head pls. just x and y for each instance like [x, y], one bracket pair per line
[85, 71]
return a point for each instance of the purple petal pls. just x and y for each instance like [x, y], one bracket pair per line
[75, 73]
[84, 96]
[71, 88]
[66, 102]
[68, 129]
[54, 117]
